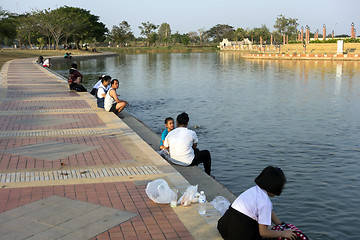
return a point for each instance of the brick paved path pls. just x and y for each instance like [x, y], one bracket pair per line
[58, 151]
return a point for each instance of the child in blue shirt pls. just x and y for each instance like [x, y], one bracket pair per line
[169, 124]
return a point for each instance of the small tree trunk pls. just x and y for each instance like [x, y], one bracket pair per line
[30, 42]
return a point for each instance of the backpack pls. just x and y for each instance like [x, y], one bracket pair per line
[285, 226]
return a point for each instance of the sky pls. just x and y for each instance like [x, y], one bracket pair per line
[191, 15]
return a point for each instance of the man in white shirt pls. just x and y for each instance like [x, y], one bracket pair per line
[182, 143]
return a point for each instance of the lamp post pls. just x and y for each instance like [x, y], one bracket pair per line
[352, 30]
[307, 34]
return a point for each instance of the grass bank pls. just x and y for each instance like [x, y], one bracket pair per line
[158, 49]
[10, 54]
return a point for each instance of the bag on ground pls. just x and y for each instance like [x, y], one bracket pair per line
[159, 191]
[221, 204]
[189, 196]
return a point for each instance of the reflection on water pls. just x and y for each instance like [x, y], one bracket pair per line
[300, 115]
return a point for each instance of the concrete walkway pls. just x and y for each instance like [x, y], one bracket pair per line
[69, 170]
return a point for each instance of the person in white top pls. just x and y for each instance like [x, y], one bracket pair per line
[182, 143]
[102, 90]
[112, 102]
[96, 86]
[47, 63]
[250, 215]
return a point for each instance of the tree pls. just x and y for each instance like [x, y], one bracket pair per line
[263, 32]
[122, 33]
[185, 39]
[25, 28]
[221, 31]
[194, 37]
[53, 22]
[201, 34]
[77, 23]
[240, 34]
[286, 26]
[164, 33]
[148, 30]
[7, 27]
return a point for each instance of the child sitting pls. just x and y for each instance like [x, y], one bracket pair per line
[169, 124]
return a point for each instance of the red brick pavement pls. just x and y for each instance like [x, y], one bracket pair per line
[110, 151]
[83, 120]
[153, 222]
[38, 105]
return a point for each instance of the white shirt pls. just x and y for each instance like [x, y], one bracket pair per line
[255, 203]
[101, 90]
[109, 101]
[46, 63]
[180, 142]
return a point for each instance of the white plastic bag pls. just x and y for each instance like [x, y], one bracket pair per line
[159, 191]
[221, 204]
[188, 197]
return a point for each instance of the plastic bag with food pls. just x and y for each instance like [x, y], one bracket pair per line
[188, 197]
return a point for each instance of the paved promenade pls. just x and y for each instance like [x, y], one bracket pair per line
[69, 170]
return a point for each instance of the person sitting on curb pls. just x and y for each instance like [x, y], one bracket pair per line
[75, 79]
[182, 143]
[40, 60]
[47, 63]
[112, 102]
[96, 86]
[169, 124]
[102, 90]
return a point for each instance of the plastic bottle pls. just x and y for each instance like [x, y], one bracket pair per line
[202, 203]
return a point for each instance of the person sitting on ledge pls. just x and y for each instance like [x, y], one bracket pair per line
[102, 90]
[40, 60]
[112, 102]
[97, 85]
[169, 124]
[75, 78]
[182, 143]
[47, 63]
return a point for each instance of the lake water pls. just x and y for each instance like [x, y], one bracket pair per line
[303, 116]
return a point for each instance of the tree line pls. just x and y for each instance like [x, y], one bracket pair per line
[71, 25]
